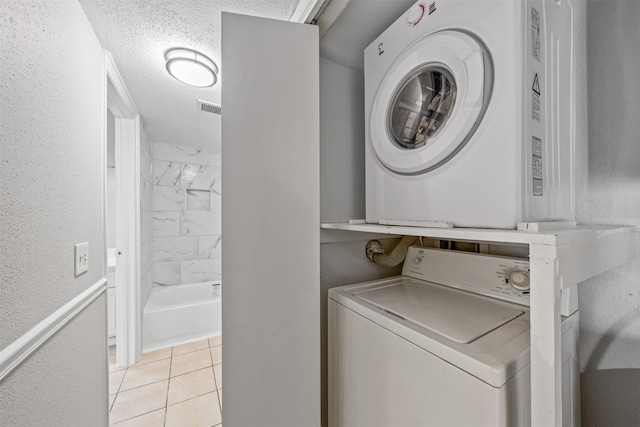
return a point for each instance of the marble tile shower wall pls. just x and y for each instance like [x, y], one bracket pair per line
[187, 224]
[146, 219]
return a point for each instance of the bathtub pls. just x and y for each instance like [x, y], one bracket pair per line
[179, 314]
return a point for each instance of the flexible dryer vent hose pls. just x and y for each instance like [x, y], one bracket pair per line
[397, 255]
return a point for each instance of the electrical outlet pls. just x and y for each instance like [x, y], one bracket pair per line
[81, 258]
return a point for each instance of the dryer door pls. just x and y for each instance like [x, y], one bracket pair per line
[430, 102]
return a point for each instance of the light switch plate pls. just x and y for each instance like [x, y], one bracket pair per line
[81, 258]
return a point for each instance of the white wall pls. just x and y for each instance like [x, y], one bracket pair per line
[342, 255]
[342, 143]
[52, 173]
[608, 192]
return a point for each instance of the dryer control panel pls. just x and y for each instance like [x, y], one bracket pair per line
[497, 277]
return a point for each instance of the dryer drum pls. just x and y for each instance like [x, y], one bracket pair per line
[421, 106]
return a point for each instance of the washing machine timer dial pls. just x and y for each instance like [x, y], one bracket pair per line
[416, 13]
[519, 279]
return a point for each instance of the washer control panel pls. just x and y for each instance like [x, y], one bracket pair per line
[493, 276]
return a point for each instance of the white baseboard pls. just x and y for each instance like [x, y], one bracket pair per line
[27, 344]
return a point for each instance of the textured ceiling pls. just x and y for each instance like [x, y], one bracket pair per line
[139, 32]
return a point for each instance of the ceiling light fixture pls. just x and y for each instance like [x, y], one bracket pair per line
[191, 67]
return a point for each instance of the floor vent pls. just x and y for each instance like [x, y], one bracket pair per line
[208, 107]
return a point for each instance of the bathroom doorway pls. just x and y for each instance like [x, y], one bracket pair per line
[122, 200]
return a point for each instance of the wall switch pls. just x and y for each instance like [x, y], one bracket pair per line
[82, 258]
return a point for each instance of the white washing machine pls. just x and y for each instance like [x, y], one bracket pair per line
[445, 344]
[470, 115]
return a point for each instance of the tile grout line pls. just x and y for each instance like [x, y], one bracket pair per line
[119, 390]
[166, 401]
[134, 417]
[215, 381]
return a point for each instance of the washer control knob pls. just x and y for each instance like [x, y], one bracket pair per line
[416, 14]
[417, 260]
[519, 279]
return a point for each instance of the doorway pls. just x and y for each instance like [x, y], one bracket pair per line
[123, 118]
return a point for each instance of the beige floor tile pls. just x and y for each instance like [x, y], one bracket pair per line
[154, 356]
[217, 370]
[216, 354]
[112, 364]
[190, 362]
[140, 375]
[220, 398]
[152, 419]
[190, 347]
[200, 411]
[112, 350]
[191, 385]
[139, 401]
[215, 341]
[115, 379]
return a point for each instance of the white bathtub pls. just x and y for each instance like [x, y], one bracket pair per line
[179, 314]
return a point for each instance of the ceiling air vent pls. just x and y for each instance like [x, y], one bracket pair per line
[208, 107]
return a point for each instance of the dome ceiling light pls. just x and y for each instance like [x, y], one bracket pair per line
[191, 67]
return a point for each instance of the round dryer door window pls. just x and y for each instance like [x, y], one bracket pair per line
[421, 106]
[430, 102]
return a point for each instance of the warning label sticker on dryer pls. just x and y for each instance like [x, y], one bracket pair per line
[536, 166]
[535, 34]
[535, 99]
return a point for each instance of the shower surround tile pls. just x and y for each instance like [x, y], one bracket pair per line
[200, 270]
[146, 168]
[175, 153]
[175, 248]
[146, 196]
[210, 247]
[198, 200]
[146, 226]
[200, 177]
[168, 198]
[209, 157]
[166, 173]
[187, 210]
[166, 224]
[201, 224]
[216, 200]
[146, 260]
[166, 273]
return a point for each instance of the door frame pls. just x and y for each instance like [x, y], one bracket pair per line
[127, 229]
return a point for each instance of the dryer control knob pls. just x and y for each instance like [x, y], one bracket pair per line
[417, 260]
[416, 14]
[519, 280]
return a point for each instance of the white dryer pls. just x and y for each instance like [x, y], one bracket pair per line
[470, 115]
[445, 344]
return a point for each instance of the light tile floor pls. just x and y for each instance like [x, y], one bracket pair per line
[177, 386]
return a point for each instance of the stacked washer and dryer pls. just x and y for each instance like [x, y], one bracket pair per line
[470, 120]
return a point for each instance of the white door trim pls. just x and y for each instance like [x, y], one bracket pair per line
[127, 156]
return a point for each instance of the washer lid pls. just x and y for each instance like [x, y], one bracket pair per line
[457, 315]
